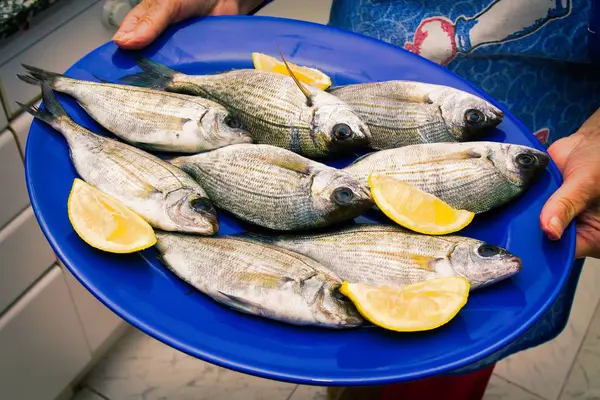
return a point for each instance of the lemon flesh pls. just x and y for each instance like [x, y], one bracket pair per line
[310, 76]
[105, 223]
[418, 307]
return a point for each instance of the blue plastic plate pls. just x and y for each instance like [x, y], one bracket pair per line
[139, 289]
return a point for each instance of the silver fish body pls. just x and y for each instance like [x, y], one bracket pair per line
[150, 119]
[473, 176]
[259, 279]
[401, 113]
[271, 106]
[160, 193]
[375, 254]
[276, 188]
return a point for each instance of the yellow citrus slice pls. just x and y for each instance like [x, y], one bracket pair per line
[415, 209]
[311, 76]
[418, 307]
[105, 223]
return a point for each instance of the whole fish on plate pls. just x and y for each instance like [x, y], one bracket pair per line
[401, 113]
[276, 109]
[160, 193]
[474, 176]
[259, 279]
[150, 119]
[276, 188]
[377, 254]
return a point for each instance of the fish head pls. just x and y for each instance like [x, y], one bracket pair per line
[223, 128]
[483, 264]
[338, 195]
[520, 165]
[327, 304]
[469, 117]
[336, 127]
[192, 212]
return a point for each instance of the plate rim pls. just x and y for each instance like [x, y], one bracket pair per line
[272, 374]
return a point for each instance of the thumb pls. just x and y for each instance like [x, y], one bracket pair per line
[144, 23]
[565, 204]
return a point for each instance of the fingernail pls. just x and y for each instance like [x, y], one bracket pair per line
[123, 36]
[555, 227]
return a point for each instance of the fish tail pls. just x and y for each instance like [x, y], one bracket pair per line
[52, 111]
[37, 75]
[153, 75]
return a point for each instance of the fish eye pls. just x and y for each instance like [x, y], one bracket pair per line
[487, 250]
[338, 295]
[343, 195]
[232, 122]
[474, 117]
[201, 205]
[342, 131]
[526, 160]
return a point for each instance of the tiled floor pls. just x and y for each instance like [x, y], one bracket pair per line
[139, 367]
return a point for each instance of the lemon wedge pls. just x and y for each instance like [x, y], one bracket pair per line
[311, 76]
[418, 307]
[105, 223]
[415, 209]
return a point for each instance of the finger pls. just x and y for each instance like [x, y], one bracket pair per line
[559, 151]
[144, 23]
[565, 204]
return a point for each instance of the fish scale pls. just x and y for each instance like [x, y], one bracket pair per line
[379, 254]
[148, 118]
[160, 193]
[402, 113]
[275, 108]
[259, 279]
[488, 171]
[274, 187]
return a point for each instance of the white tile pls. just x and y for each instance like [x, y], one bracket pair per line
[13, 196]
[500, 389]
[584, 380]
[87, 394]
[24, 256]
[141, 367]
[543, 370]
[306, 10]
[42, 345]
[310, 393]
[99, 322]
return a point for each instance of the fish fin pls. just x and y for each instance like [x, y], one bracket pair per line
[42, 75]
[101, 80]
[424, 262]
[302, 88]
[53, 109]
[154, 75]
[239, 303]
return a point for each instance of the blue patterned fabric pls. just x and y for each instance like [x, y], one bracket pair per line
[530, 55]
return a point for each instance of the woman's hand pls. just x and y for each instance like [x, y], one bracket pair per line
[578, 158]
[150, 18]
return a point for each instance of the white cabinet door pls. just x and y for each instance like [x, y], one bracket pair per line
[24, 256]
[99, 322]
[13, 192]
[42, 345]
[55, 52]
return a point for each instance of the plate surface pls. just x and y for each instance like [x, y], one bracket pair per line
[139, 289]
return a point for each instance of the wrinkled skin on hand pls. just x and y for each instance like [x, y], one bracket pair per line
[578, 158]
[150, 18]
